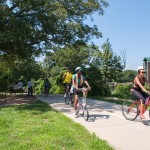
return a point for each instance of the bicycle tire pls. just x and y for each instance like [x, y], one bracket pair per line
[71, 99]
[67, 99]
[130, 110]
[85, 113]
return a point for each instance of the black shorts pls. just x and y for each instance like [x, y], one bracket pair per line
[67, 84]
[75, 91]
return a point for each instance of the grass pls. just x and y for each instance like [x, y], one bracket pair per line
[36, 126]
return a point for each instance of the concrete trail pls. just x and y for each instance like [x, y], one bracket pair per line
[107, 122]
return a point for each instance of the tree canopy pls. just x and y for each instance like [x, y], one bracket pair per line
[29, 27]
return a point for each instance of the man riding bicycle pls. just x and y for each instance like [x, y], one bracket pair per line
[139, 91]
[77, 80]
[67, 78]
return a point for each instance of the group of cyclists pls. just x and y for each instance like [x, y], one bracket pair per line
[75, 83]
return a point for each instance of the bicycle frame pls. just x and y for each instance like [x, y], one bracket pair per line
[145, 105]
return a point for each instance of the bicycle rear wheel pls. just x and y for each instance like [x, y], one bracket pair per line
[85, 113]
[71, 99]
[130, 110]
[67, 99]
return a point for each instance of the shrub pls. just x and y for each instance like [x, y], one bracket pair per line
[56, 89]
[122, 90]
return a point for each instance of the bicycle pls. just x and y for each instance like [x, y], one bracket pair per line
[82, 105]
[46, 91]
[69, 98]
[131, 109]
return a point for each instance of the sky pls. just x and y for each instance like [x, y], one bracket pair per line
[127, 25]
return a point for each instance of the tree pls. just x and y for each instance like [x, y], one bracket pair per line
[14, 70]
[126, 76]
[26, 69]
[111, 64]
[29, 27]
[72, 56]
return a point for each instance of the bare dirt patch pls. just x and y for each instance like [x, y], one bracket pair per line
[7, 100]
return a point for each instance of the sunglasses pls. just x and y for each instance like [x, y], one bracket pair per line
[143, 72]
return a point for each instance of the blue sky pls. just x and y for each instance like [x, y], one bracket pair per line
[127, 25]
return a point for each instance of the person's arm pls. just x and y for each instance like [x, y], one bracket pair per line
[76, 81]
[64, 76]
[140, 85]
[82, 80]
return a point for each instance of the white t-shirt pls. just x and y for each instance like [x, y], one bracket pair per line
[20, 84]
[29, 84]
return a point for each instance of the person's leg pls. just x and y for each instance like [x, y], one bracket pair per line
[138, 95]
[75, 92]
[65, 86]
[75, 101]
[31, 90]
[28, 91]
[85, 92]
[75, 98]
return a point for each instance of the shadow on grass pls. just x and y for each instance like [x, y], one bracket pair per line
[36, 106]
[24, 102]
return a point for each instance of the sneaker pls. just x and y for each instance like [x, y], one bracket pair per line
[75, 114]
[65, 95]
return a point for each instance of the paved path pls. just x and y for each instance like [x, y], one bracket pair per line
[107, 122]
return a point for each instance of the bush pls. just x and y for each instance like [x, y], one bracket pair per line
[122, 90]
[56, 89]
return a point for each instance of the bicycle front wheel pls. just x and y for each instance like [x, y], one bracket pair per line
[85, 113]
[130, 110]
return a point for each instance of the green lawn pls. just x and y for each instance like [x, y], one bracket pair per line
[36, 126]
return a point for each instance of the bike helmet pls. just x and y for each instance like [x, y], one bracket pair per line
[77, 69]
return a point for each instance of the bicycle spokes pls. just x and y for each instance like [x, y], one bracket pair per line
[130, 110]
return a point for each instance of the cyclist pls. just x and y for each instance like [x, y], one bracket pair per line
[67, 78]
[139, 91]
[77, 80]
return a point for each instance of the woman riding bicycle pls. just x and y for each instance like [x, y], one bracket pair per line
[77, 81]
[139, 91]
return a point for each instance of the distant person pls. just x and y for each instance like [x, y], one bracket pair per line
[15, 87]
[138, 90]
[46, 86]
[30, 89]
[20, 85]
